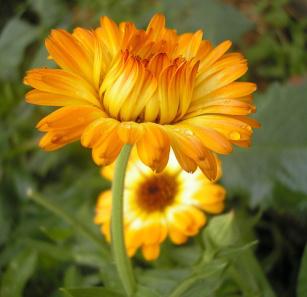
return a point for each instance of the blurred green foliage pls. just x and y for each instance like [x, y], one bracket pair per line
[279, 51]
[47, 200]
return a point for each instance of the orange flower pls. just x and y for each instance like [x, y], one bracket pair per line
[153, 88]
[156, 206]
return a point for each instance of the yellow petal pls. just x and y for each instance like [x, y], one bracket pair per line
[119, 84]
[110, 35]
[176, 236]
[211, 198]
[151, 252]
[155, 230]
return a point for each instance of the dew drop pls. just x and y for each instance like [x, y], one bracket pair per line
[188, 132]
[234, 135]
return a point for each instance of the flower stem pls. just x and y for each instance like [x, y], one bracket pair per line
[121, 259]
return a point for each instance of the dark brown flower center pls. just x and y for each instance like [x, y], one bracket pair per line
[157, 192]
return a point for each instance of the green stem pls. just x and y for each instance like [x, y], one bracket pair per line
[42, 201]
[264, 286]
[121, 259]
[249, 275]
[184, 286]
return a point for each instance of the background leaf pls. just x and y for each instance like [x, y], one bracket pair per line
[18, 273]
[14, 38]
[189, 16]
[90, 292]
[279, 151]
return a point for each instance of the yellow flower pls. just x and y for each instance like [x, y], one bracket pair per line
[153, 88]
[158, 205]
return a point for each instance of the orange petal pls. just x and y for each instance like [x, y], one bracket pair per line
[188, 147]
[62, 83]
[153, 147]
[69, 117]
[156, 26]
[49, 99]
[67, 52]
[218, 80]
[233, 90]
[209, 137]
[107, 146]
[233, 128]
[98, 130]
[220, 106]
[130, 132]
[214, 55]
[189, 43]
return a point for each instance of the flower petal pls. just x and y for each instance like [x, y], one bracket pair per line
[153, 147]
[67, 52]
[130, 132]
[211, 198]
[209, 137]
[188, 147]
[151, 252]
[59, 83]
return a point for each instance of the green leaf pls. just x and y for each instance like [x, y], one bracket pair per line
[5, 220]
[18, 273]
[203, 282]
[54, 251]
[302, 278]
[222, 231]
[146, 292]
[218, 20]
[90, 292]
[49, 14]
[14, 38]
[163, 280]
[279, 150]
[72, 277]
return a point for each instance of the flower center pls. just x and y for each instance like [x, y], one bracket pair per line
[157, 192]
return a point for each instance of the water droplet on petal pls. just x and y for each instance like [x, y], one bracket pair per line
[188, 132]
[234, 135]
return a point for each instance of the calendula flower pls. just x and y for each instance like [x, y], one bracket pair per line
[153, 88]
[160, 205]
